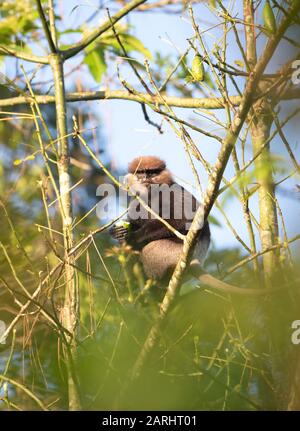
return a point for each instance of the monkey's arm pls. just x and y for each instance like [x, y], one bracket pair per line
[119, 231]
[150, 230]
[137, 235]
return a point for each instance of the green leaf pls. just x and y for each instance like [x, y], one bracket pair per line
[269, 18]
[95, 60]
[15, 23]
[134, 44]
[130, 43]
[212, 220]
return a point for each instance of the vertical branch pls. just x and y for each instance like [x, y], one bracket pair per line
[51, 13]
[70, 311]
[260, 133]
[260, 125]
[45, 26]
[268, 226]
[250, 57]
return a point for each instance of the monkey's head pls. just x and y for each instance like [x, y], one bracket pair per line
[149, 170]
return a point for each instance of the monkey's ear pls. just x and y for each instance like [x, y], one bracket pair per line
[119, 233]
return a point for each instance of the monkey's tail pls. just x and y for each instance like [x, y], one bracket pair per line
[214, 283]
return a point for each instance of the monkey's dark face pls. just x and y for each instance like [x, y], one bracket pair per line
[148, 170]
[149, 176]
[142, 180]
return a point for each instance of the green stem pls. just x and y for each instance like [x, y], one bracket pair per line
[51, 13]
[70, 312]
[45, 26]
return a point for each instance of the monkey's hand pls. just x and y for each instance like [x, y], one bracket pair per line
[120, 231]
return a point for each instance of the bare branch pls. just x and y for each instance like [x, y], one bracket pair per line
[179, 102]
[23, 55]
[45, 27]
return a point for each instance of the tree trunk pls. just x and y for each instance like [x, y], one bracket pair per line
[70, 311]
[268, 225]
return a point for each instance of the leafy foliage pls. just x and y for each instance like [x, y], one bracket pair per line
[95, 53]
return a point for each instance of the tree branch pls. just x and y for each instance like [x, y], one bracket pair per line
[79, 46]
[179, 102]
[45, 27]
[23, 55]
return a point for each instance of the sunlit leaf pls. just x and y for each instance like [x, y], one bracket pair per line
[269, 18]
[130, 43]
[95, 60]
[213, 220]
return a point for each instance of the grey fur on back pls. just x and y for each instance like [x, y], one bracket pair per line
[160, 257]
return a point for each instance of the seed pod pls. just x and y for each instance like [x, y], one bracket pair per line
[197, 68]
[269, 18]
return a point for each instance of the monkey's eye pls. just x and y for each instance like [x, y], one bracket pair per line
[149, 172]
